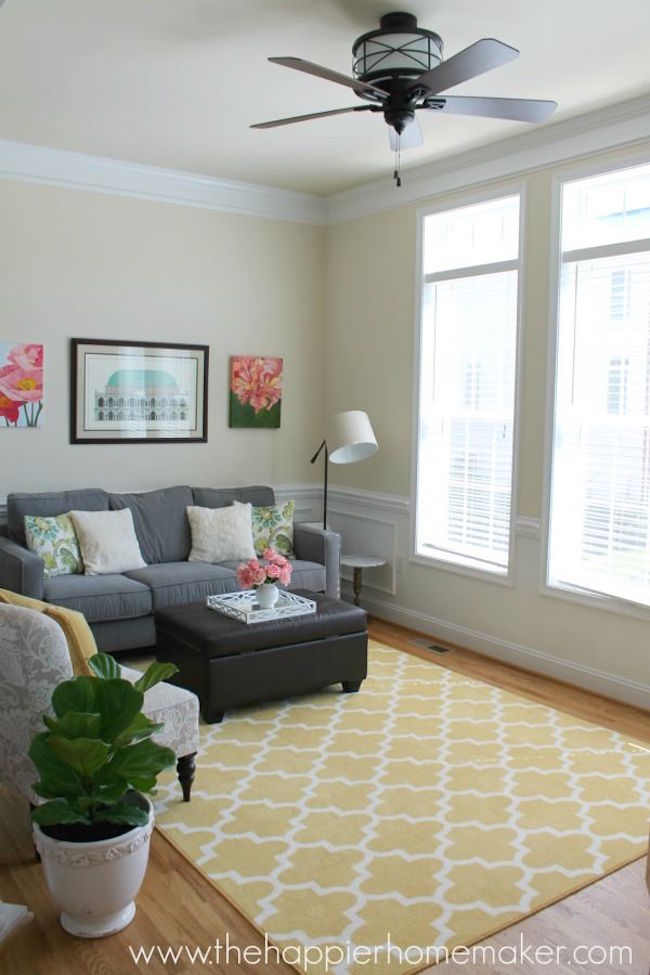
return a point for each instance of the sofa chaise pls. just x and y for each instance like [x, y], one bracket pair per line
[120, 607]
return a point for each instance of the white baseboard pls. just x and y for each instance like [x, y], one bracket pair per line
[599, 681]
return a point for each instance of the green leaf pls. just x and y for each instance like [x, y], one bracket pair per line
[118, 702]
[75, 725]
[154, 674]
[58, 778]
[145, 759]
[103, 795]
[123, 813]
[78, 694]
[58, 811]
[105, 666]
[140, 727]
[86, 755]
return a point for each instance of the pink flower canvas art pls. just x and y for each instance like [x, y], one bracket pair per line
[255, 391]
[21, 384]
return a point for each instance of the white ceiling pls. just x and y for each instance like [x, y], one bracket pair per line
[176, 83]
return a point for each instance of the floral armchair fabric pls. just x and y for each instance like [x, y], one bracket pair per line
[34, 658]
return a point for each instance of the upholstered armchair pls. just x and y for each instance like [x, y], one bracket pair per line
[34, 658]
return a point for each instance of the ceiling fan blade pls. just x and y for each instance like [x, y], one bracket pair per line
[517, 109]
[474, 60]
[299, 64]
[306, 118]
[409, 139]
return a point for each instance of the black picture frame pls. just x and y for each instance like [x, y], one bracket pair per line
[158, 392]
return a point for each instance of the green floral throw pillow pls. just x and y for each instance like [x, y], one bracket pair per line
[55, 540]
[273, 528]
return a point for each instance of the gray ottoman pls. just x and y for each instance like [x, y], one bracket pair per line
[227, 663]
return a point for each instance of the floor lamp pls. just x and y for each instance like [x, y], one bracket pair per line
[349, 438]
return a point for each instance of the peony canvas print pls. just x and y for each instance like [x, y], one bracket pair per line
[21, 384]
[255, 391]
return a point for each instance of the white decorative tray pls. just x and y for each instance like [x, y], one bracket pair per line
[243, 606]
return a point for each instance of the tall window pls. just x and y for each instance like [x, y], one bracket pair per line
[599, 539]
[468, 353]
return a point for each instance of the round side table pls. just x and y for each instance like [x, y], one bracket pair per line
[358, 563]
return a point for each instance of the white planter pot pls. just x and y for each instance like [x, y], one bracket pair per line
[94, 884]
[267, 595]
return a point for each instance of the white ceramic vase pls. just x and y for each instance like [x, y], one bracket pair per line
[267, 595]
[94, 884]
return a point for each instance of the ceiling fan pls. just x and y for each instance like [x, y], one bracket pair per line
[399, 69]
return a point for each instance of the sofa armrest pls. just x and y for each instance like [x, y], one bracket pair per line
[20, 570]
[317, 545]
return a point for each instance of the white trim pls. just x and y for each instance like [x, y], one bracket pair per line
[538, 661]
[526, 527]
[606, 250]
[616, 126]
[75, 170]
[477, 270]
[625, 124]
[397, 503]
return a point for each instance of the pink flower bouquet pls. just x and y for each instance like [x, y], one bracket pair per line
[272, 568]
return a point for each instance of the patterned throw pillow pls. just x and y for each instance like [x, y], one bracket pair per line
[55, 540]
[273, 528]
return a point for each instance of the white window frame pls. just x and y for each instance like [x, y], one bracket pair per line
[611, 604]
[460, 567]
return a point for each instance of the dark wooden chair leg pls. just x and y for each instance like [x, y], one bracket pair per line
[350, 686]
[186, 766]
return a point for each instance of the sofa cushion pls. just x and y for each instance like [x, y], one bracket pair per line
[173, 583]
[160, 522]
[52, 503]
[305, 575]
[258, 494]
[109, 597]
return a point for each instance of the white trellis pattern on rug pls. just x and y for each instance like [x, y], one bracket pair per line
[431, 806]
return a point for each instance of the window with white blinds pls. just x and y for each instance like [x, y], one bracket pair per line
[468, 355]
[599, 528]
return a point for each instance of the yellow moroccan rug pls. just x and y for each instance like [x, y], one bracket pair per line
[426, 810]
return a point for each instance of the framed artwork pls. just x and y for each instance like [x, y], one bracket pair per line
[21, 384]
[255, 391]
[138, 392]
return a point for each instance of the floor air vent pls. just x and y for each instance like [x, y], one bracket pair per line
[432, 647]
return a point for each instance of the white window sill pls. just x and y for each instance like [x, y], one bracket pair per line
[608, 604]
[465, 567]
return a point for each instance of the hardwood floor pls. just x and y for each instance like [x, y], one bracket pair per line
[177, 905]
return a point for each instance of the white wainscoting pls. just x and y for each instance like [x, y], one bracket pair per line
[378, 524]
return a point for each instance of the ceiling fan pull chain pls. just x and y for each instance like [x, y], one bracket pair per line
[398, 161]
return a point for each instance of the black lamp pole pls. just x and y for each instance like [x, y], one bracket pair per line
[323, 446]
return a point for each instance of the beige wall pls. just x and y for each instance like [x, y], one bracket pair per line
[89, 265]
[371, 302]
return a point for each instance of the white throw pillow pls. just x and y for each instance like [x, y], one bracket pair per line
[107, 541]
[221, 534]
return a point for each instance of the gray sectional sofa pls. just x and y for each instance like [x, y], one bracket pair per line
[120, 607]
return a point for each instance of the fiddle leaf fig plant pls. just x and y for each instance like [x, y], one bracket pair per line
[98, 748]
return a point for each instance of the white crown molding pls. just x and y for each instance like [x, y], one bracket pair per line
[616, 126]
[75, 170]
[568, 671]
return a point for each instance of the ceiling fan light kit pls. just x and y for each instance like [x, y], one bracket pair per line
[398, 69]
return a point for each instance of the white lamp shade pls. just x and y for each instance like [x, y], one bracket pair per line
[350, 437]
